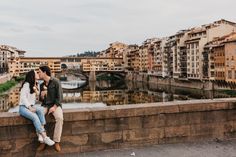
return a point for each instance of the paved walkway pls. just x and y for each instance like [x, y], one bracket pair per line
[200, 149]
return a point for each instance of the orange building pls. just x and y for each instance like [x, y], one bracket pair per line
[224, 59]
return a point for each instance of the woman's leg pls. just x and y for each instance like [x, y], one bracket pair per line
[25, 112]
[37, 124]
[40, 113]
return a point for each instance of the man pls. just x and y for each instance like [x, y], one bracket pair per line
[51, 97]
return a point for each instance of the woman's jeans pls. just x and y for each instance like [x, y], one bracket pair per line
[37, 117]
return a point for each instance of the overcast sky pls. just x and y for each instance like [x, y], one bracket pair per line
[63, 27]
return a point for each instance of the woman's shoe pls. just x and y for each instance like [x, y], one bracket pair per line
[48, 141]
[40, 138]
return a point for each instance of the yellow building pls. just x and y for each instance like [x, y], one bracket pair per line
[102, 64]
[19, 66]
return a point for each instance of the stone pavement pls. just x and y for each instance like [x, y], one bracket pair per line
[200, 149]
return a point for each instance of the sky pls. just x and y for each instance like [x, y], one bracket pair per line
[66, 27]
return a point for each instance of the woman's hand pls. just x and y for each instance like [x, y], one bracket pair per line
[32, 109]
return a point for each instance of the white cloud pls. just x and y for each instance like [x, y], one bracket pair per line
[59, 27]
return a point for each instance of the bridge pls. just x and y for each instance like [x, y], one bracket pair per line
[75, 84]
[91, 67]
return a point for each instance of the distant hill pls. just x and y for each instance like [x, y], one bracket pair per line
[85, 54]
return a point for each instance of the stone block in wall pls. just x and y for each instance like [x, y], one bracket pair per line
[71, 115]
[154, 121]
[203, 107]
[118, 124]
[232, 105]
[112, 124]
[76, 140]
[90, 126]
[94, 139]
[104, 114]
[17, 132]
[143, 134]
[67, 128]
[12, 119]
[210, 129]
[134, 122]
[109, 137]
[177, 131]
[177, 119]
[6, 146]
[231, 115]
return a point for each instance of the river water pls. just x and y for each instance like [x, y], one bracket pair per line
[106, 93]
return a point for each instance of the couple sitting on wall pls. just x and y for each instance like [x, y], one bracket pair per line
[50, 94]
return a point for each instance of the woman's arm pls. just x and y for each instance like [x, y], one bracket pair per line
[25, 90]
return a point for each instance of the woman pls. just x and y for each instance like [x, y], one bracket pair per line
[28, 109]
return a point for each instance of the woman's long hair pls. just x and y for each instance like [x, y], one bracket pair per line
[30, 78]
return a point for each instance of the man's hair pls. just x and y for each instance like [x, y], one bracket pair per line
[45, 69]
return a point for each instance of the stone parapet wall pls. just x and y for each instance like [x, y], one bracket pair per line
[124, 126]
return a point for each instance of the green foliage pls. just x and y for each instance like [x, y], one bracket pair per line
[20, 78]
[6, 86]
[228, 92]
[86, 54]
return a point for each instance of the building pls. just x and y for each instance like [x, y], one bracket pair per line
[197, 39]
[159, 67]
[115, 50]
[19, 66]
[224, 59]
[146, 55]
[102, 64]
[170, 48]
[180, 55]
[129, 57]
[7, 52]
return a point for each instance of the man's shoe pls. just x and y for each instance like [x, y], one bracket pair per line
[48, 141]
[57, 147]
[41, 147]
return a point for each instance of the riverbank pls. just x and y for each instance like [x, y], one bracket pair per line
[195, 84]
[9, 84]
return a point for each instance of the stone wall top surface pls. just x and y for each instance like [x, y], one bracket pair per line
[132, 110]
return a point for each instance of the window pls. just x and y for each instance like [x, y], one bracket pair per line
[230, 74]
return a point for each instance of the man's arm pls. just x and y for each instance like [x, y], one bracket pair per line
[59, 93]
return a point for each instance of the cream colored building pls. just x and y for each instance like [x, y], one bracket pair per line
[159, 65]
[7, 52]
[115, 50]
[19, 66]
[180, 55]
[197, 39]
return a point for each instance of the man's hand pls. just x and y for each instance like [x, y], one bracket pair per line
[43, 94]
[32, 109]
[52, 109]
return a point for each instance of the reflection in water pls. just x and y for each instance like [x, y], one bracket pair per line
[9, 100]
[101, 93]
